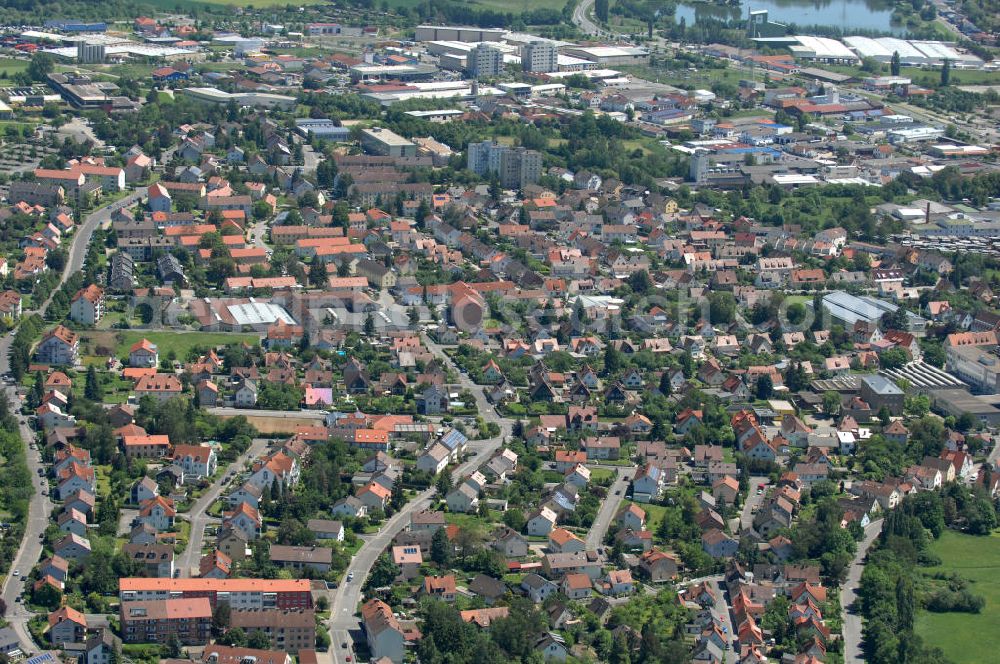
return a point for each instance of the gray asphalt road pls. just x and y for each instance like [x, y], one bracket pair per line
[616, 494]
[345, 599]
[310, 159]
[40, 507]
[746, 516]
[722, 609]
[197, 514]
[848, 593]
[581, 19]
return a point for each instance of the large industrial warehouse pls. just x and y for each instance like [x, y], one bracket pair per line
[917, 53]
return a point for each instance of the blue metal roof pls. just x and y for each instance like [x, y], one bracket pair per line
[44, 658]
[454, 439]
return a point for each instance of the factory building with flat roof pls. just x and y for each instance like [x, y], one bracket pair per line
[610, 55]
[379, 141]
[847, 309]
[456, 33]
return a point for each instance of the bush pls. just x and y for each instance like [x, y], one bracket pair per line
[963, 601]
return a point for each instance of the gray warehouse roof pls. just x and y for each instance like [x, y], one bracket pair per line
[881, 385]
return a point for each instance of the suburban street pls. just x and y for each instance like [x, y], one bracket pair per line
[753, 500]
[609, 508]
[102, 215]
[40, 507]
[310, 159]
[198, 516]
[39, 510]
[344, 601]
[721, 608]
[848, 593]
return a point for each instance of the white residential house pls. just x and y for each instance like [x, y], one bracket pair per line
[434, 459]
[542, 522]
[246, 395]
[143, 354]
[196, 460]
[463, 498]
[87, 306]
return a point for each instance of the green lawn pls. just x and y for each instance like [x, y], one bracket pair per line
[600, 474]
[518, 7]
[967, 638]
[466, 520]
[103, 476]
[182, 342]
[183, 530]
[654, 514]
[12, 66]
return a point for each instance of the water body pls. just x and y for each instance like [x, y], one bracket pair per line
[845, 14]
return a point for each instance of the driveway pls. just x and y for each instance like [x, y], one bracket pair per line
[310, 159]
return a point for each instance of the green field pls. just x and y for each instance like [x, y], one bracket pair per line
[176, 5]
[512, 6]
[518, 7]
[10, 66]
[182, 342]
[967, 638]
[927, 77]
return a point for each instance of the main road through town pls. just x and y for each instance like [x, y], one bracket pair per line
[40, 507]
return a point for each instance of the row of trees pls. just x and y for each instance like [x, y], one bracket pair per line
[889, 586]
[892, 590]
[15, 477]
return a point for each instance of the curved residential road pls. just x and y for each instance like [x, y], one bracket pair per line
[581, 19]
[197, 516]
[848, 594]
[40, 507]
[99, 217]
[616, 494]
[344, 601]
